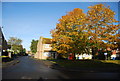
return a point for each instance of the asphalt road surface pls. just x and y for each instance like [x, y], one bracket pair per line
[29, 68]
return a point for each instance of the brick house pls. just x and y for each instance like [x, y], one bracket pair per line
[44, 49]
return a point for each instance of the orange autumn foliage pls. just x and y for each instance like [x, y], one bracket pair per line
[78, 32]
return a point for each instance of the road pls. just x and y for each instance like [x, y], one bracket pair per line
[29, 68]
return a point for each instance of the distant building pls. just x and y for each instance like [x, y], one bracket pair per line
[28, 52]
[44, 49]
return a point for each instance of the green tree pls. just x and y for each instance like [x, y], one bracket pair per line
[15, 44]
[24, 50]
[33, 46]
[17, 48]
[14, 41]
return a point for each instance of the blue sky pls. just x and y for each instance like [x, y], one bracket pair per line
[30, 20]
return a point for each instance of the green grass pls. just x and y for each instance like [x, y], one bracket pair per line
[88, 63]
[4, 56]
[111, 61]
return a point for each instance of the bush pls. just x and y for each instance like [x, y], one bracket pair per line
[6, 59]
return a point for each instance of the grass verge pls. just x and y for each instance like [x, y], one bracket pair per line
[88, 63]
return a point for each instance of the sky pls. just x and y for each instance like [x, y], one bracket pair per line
[30, 20]
[60, 0]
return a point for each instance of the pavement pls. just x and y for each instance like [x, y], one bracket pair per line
[11, 63]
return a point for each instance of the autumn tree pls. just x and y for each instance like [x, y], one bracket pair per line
[68, 34]
[78, 32]
[101, 26]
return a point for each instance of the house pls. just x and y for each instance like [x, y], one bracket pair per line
[3, 44]
[44, 49]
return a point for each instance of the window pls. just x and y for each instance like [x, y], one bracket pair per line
[46, 45]
[46, 54]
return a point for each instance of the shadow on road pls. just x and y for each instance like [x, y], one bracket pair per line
[40, 79]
